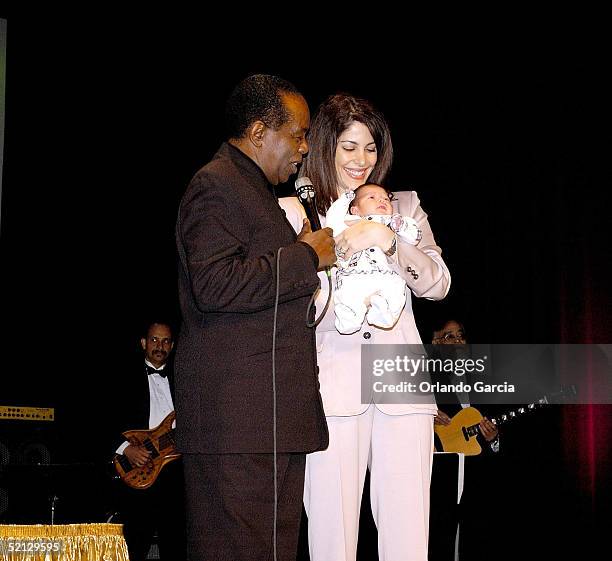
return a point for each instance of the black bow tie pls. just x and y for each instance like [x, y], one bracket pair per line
[151, 370]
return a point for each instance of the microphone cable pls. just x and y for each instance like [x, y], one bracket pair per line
[274, 418]
[314, 297]
[276, 298]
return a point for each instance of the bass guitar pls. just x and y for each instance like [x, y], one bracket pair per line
[159, 442]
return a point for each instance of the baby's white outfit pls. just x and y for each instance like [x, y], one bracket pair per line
[366, 284]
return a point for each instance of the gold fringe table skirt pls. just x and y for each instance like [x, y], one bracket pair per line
[70, 542]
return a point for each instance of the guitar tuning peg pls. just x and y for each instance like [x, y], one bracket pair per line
[512, 414]
[521, 410]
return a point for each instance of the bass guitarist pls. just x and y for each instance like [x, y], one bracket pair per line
[146, 395]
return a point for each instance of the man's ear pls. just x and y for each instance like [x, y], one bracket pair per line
[143, 343]
[256, 133]
[353, 210]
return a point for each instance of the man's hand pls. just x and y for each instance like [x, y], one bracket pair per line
[442, 418]
[137, 454]
[488, 429]
[321, 241]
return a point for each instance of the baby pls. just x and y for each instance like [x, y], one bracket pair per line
[366, 285]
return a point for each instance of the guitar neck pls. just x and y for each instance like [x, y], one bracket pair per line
[167, 439]
[498, 420]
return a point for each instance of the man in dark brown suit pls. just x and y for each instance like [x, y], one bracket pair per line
[231, 416]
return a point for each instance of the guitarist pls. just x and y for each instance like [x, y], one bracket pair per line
[475, 530]
[452, 332]
[146, 394]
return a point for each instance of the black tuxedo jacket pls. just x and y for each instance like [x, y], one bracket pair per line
[229, 230]
[134, 402]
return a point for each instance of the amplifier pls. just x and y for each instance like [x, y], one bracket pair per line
[16, 413]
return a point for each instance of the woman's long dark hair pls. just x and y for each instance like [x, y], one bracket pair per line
[331, 119]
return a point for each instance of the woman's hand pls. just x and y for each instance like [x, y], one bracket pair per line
[362, 235]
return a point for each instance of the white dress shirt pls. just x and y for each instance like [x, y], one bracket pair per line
[160, 401]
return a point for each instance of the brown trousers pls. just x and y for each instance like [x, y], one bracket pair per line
[230, 506]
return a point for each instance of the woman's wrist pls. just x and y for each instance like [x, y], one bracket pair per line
[391, 251]
[390, 244]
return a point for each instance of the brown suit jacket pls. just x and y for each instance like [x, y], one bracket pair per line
[229, 229]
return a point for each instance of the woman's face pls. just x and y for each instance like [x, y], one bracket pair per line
[356, 156]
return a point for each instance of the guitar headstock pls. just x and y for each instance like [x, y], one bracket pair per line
[560, 396]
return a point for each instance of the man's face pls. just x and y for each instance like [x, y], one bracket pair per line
[371, 199]
[158, 344]
[451, 334]
[282, 150]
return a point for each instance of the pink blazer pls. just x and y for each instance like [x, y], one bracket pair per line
[339, 356]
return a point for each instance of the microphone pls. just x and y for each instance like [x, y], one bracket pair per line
[306, 194]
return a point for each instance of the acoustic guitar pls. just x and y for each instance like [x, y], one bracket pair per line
[159, 442]
[460, 434]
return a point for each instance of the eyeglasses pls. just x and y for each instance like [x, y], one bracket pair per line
[451, 338]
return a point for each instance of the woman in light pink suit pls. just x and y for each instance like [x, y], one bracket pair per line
[350, 144]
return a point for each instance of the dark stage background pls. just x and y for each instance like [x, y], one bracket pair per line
[106, 124]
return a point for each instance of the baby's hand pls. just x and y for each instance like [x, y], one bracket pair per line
[406, 228]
